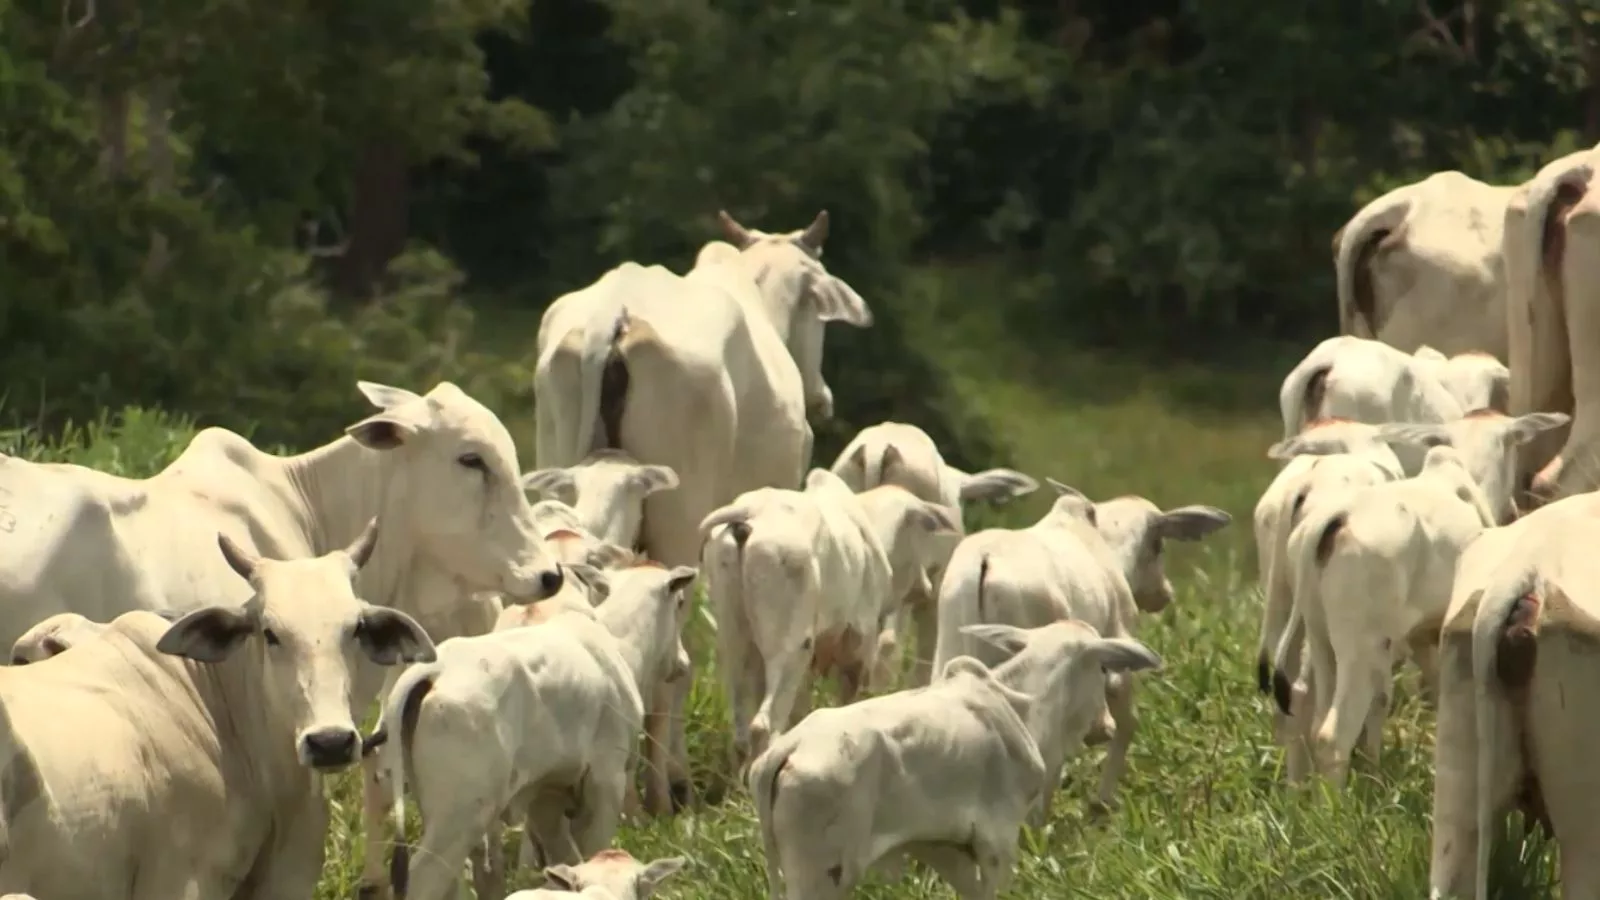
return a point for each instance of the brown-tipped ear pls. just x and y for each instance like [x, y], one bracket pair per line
[361, 550]
[816, 234]
[737, 234]
[239, 559]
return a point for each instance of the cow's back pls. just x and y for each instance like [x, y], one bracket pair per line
[114, 766]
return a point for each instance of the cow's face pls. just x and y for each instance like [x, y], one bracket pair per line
[298, 636]
[606, 492]
[455, 486]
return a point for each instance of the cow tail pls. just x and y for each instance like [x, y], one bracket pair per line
[763, 784]
[603, 381]
[403, 706]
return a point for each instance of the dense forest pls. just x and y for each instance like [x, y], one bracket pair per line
[234, 208]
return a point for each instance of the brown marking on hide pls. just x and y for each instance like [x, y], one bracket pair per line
[1485, 412]
[1553, 237]
[1516, 656]
[1315, 392]
[1325, 421]
[612, 854]
[835, 649]
[1365, 299]
[1329, 537]
[534, 613]
[563, 534]
[21, 785]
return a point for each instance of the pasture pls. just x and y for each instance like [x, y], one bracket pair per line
[1203, 813]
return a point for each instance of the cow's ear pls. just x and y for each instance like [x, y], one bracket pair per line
[208, 635]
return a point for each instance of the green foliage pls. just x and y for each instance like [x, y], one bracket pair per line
[134, 443]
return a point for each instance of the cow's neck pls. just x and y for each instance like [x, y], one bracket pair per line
[341, 487]
[634, 631]
[252, 741]
[1045, 712]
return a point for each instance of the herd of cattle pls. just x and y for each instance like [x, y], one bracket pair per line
[193, 653]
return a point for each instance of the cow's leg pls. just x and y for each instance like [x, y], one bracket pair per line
[437, 859]
[1425, 653]
[1296, 738]
[957, 867]
[925, 618]
[374, 884]
[740, 662]
[594, 823]
[786, 677]
[657, 791]
[1355, 691]
[1119, 701]
[488, 864]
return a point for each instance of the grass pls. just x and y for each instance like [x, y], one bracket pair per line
[1203, 811]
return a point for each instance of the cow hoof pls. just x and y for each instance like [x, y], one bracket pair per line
[1099, 812]
[679, 791]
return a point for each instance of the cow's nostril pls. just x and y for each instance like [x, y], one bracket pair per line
[331, 746]
[551, 581]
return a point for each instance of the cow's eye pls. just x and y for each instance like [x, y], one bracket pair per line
[472, 461]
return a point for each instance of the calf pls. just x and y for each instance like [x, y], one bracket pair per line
[1373, 570]
[945, 773]
[59, 632]
[800, 581]
[608, 875]
[606, 491]
[1355, 457]
[1098, 562]
[208, 733]
[540, 719]
[900, 454]
[1488, 441]
[1369, 381]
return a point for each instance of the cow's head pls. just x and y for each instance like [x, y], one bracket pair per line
[303, 627]
[656, 601]
[1136, 530]
[606, 491]
[453, 491]
[614, 873]
[1488, 442]
[800, 296]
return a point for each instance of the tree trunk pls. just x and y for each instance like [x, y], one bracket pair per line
[158, 156]
[113, 130]
[379, 220]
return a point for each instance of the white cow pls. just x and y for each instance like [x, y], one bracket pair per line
[1373, 570]
[1348, 455]
[205, 737]
[544, 720]
[606, 491]
[1369, 381]
[1550, 228]
[608, 875]
[439, 471]
[1488, 441]
[900, 454]
[1519, 622]
[1422, 265]
[1097, 562]
[945, 774]
[711, 373]
[53, 636]
[800, 581]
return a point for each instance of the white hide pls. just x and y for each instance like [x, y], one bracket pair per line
[800, 582]
[1096, 562]
[192, 750]
[1422, 264]
[899, 454]
[541, 722]
[1373, 569]
[945, 773]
